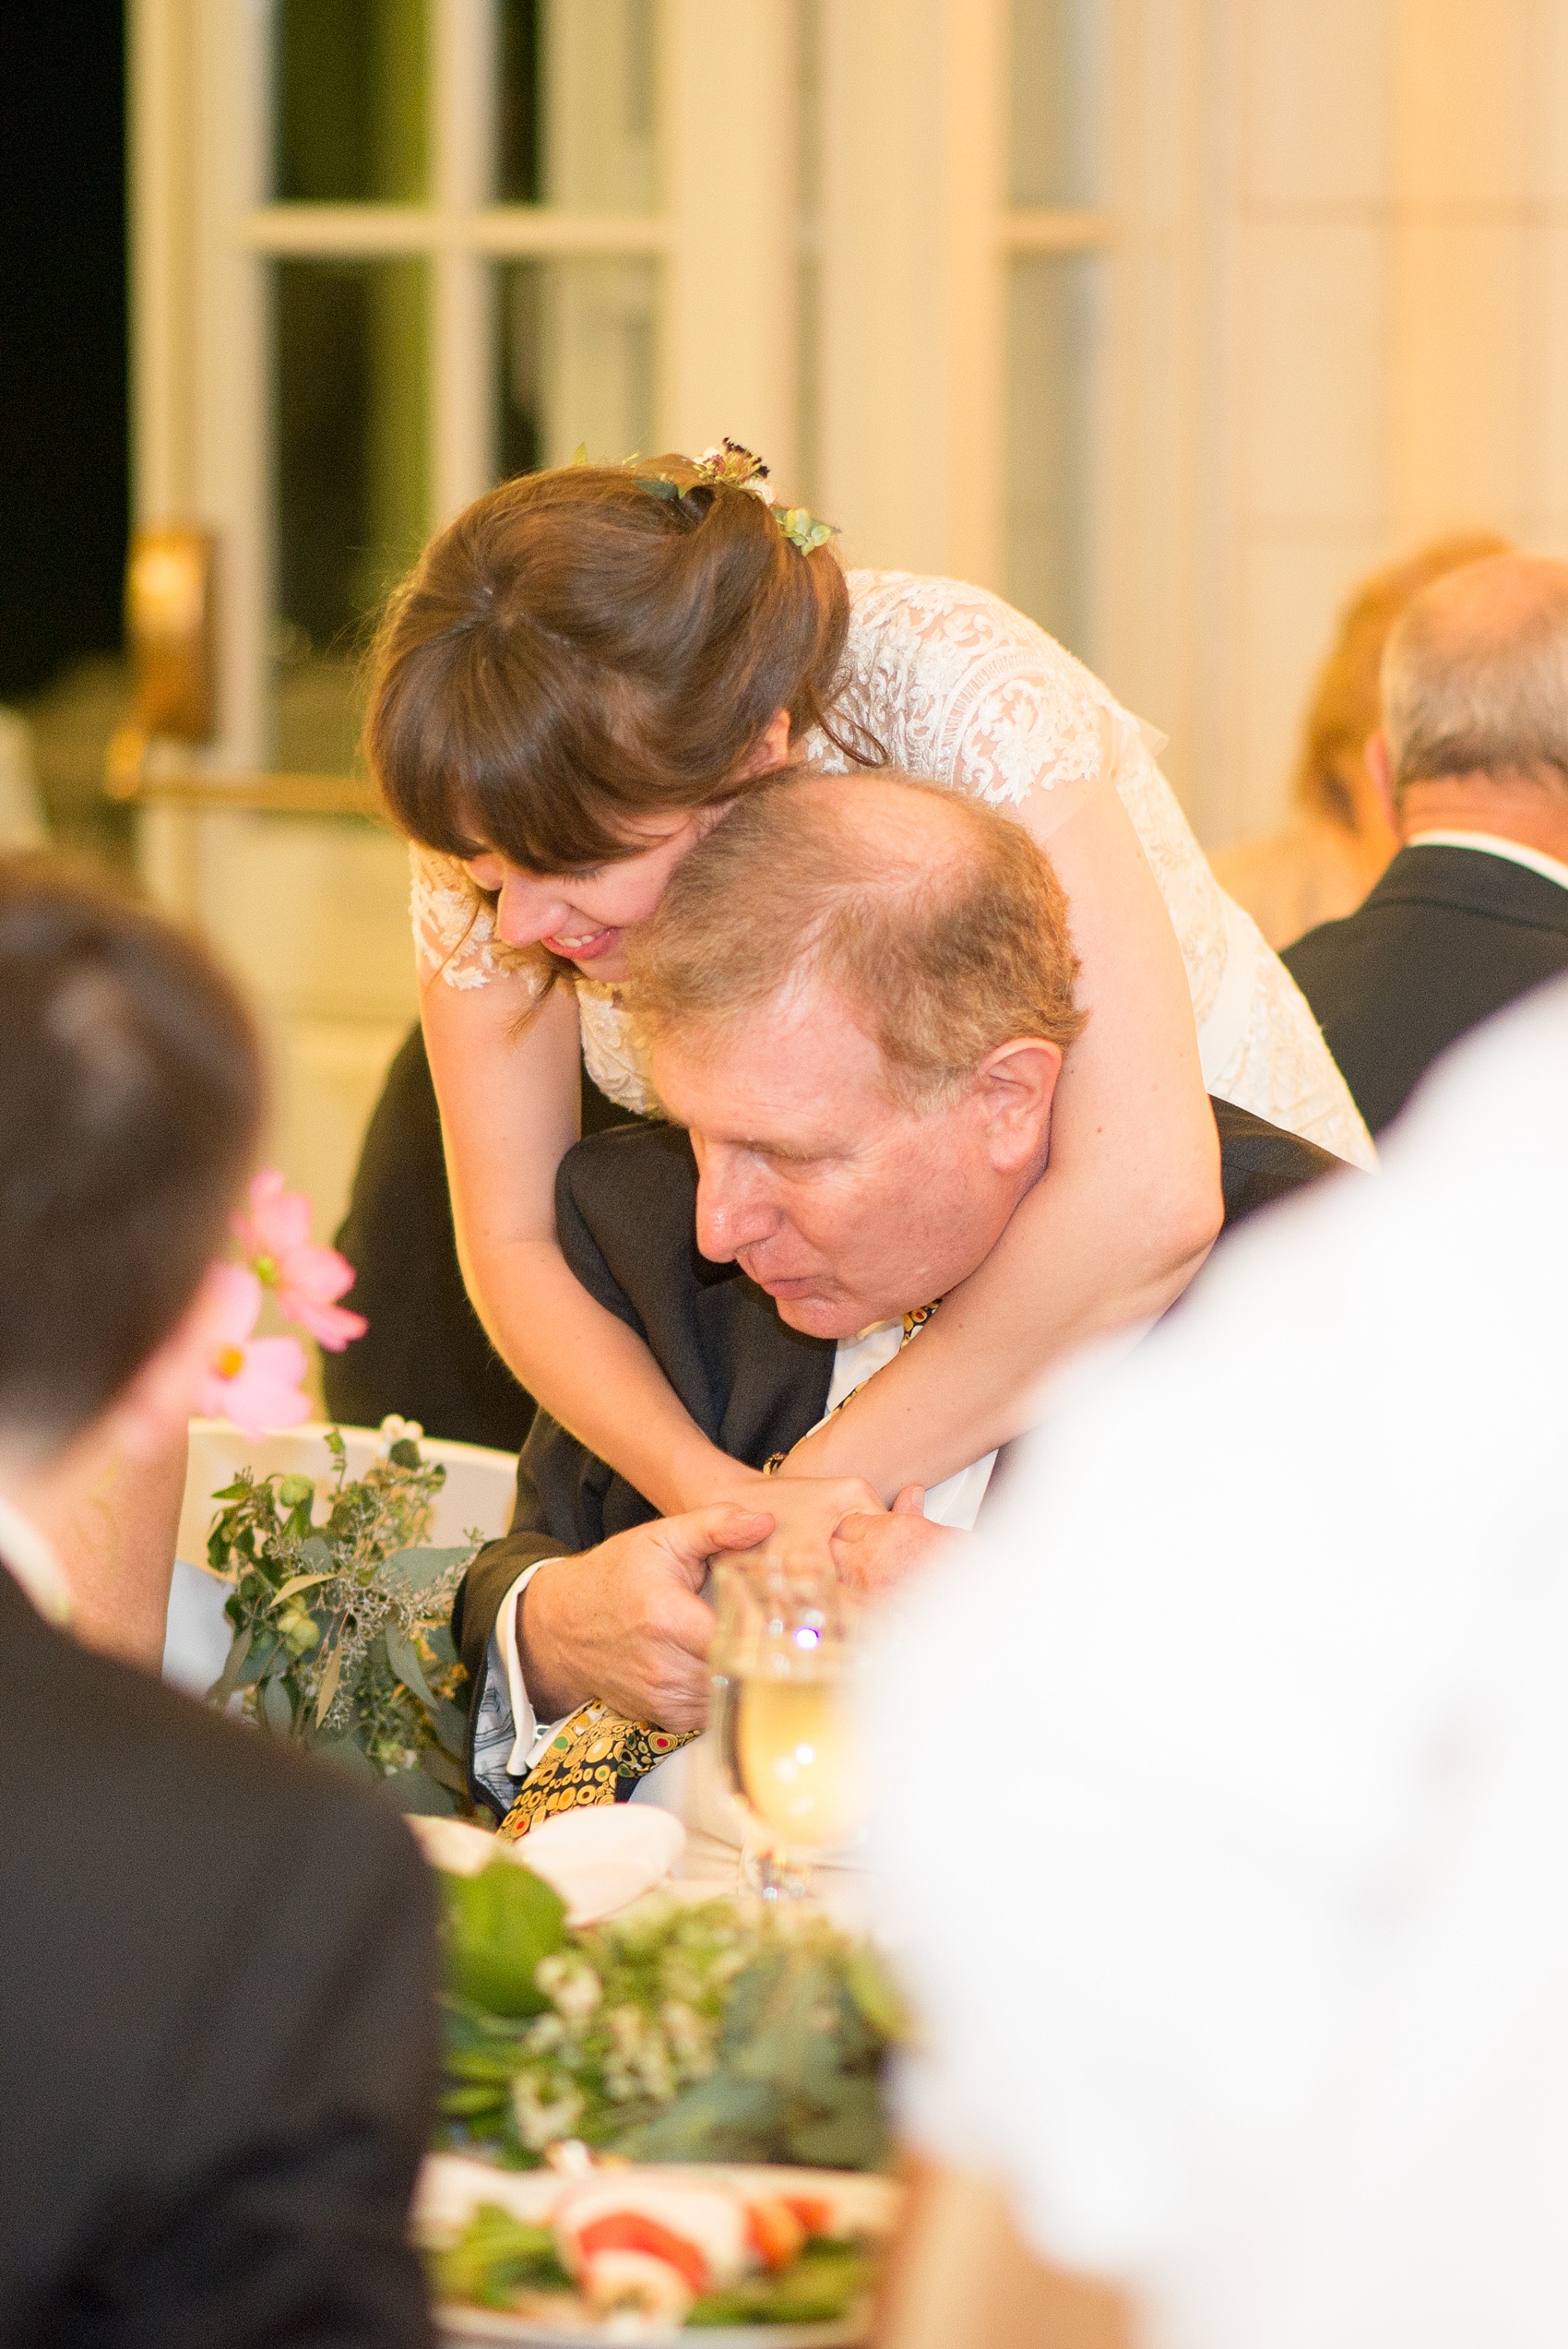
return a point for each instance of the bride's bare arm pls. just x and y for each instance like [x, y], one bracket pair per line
[510, 1105]
[510, 1110]
[1125, 1213]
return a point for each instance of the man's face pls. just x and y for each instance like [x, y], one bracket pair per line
[846, 1208]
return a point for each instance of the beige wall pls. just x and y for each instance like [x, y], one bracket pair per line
[1340, 326]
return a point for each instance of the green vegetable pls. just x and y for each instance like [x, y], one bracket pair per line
[821, 2283]
[495, 2257]
[499, 1924]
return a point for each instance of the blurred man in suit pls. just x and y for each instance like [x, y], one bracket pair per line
[1473, 761]
[216, 2061]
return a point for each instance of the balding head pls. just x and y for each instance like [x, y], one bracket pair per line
[936, 920]
[1475, 674]
[856, 992]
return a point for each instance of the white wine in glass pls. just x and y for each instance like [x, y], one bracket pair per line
[782, 1666]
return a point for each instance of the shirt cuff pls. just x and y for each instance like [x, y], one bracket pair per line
[530, 1735]
[508, 1738]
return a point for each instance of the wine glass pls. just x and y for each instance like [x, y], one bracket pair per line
[782, 1663]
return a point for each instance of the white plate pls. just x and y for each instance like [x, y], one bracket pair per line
[599, 1859]
[451, 2187]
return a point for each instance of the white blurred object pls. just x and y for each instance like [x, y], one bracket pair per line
[599, 1859]
[1239, 1941]
[21, 810]
[476, 1499]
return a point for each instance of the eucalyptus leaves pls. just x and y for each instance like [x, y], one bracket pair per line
[340, 1629]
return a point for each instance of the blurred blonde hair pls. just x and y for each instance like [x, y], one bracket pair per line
[1345, 704]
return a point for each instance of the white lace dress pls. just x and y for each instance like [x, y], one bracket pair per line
[957, 686]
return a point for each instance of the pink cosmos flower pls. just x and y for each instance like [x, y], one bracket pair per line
[309, 1279]
[256, 1382]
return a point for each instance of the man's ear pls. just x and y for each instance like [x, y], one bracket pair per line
[770, 749]
[151, 1412]
[1016, 1085]
[1380, 767]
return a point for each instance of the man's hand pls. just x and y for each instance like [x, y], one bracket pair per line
[874, 1552]
[623, 1622]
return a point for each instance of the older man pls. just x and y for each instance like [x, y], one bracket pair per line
[857, 997]
[1473, 764]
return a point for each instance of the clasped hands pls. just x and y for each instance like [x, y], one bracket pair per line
[625, 1621]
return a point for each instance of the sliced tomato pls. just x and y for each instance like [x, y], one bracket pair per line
[776, 2228]
[630, 2230]
[815, 2214]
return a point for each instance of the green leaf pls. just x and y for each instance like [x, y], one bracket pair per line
[499, 1924]
[344, 1754]
[412, 1791]
[276, 1707]
[295, 1489]
[451, 1726]
[303, 1582]
[872, 1987]
[439, 1641]
[444, 1770]
[228, 1679]
[335, 1444]
[327, 1688]
[420, 1568]
[263, 1654]
[400, 1655]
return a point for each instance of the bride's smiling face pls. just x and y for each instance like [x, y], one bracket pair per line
[585, 916]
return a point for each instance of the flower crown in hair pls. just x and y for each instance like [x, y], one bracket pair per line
[730, 466]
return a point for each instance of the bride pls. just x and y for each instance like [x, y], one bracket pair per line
[583, 669]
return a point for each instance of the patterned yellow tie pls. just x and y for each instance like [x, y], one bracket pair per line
[597, 1755]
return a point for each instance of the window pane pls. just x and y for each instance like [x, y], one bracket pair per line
[351, 502]
[1052, 347]
[577, 360]
[350, 77]
[1054, 84]
[575, 119]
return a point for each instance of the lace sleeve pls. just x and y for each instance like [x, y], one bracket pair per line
[959, 686]
[454, 929]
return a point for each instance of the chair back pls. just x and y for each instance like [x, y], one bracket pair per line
[476, 1499]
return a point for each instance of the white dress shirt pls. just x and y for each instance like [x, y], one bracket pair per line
[510, 1737]
[1237, 1921]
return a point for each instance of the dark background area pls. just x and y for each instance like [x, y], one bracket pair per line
[63, 458]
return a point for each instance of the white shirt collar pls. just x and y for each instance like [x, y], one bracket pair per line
[34, 1565]
[1492, 845]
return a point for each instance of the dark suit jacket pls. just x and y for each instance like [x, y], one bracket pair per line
[1448, 937]
[625, 1205]
[217, 2058]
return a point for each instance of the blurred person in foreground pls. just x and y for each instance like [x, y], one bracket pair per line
[216, 2065]
[1472, 761]
[856, 1005]
[1322, 861]
[1239, 1940]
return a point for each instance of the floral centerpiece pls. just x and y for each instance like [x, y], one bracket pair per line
[340, 1612]
[674, 2032]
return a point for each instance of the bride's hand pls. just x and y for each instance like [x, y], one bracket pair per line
[807, 1512]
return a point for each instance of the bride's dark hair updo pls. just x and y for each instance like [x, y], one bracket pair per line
[575, 652]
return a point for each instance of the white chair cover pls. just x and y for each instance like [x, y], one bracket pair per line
[476, 1499]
